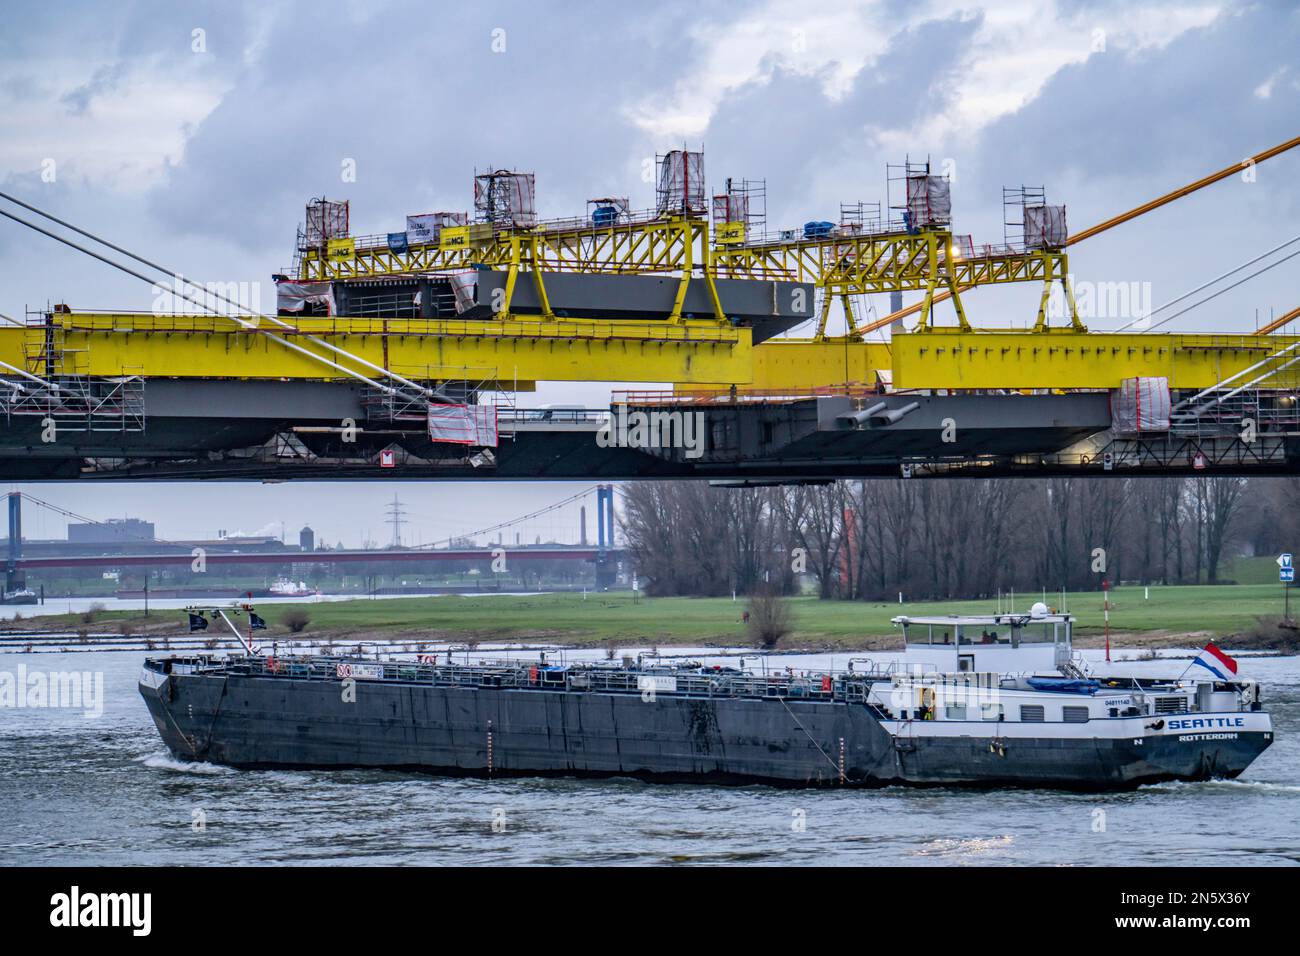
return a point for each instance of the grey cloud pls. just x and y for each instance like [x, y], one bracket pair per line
[106, 79]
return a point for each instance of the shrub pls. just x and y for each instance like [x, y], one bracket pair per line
[296, 621]
[770, 618]
[92, 613]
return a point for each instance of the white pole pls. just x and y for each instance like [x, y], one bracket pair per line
[900, 597]
[1147, 593]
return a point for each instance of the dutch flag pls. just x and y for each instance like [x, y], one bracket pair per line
[1216, 662]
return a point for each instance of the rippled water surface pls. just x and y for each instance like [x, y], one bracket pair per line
[97, 791]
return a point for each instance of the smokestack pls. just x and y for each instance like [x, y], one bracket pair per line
[609, 511]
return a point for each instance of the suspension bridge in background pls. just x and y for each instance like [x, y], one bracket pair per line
[135, 553]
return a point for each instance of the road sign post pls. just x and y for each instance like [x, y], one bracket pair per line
[1285, 574]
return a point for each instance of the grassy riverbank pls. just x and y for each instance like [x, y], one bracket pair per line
[1169, 616]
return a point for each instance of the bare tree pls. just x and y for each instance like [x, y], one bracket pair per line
[768, 618]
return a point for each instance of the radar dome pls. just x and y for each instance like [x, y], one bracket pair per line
[1038, 610]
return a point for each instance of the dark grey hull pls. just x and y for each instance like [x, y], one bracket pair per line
[256, 722]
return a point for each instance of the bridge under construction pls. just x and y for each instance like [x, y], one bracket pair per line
[410, 354]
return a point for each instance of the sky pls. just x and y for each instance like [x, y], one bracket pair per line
[194, 133]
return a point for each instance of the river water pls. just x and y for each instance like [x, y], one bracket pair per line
[101, 790]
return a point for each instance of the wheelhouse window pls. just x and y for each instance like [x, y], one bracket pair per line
[940, 634]
[1035, 632]
[985, 634]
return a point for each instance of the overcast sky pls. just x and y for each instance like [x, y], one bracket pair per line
[195, 132]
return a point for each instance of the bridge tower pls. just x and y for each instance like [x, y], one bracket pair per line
[606, 563]
[14, 578]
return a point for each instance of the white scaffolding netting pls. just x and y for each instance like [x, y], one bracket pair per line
[505, 198]
[1045, 227]
[1140, 405]
[681, 182]
[929, 201]
[731, 207]
[326, 220]
[464, 424]
[296, 296]
[463, 288]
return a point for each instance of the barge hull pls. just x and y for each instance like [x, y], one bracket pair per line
[250, 722]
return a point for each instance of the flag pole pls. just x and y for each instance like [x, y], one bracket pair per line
[1105, 604]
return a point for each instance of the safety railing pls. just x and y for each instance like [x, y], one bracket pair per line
[682, 682]
[689, 396]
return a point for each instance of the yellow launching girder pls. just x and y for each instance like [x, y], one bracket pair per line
[841, 265]
[498, 353]
[666, 244]
[1064, 359]
[633, 248]
[1006, 359]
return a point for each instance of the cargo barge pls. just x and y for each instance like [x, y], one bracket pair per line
[998, 700]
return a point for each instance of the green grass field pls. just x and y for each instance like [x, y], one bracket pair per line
[619, 617]
[1251, 571]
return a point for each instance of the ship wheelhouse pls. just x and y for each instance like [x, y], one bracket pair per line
[1037, 642]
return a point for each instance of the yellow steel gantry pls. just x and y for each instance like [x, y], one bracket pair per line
[641, 246]
[514, 350]
[504, 354]
[923, 260]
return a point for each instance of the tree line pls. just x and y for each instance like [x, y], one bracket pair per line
[951, 538]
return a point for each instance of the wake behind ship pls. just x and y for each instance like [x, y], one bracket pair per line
[977, 700]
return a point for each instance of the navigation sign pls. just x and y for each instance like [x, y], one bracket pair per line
[1285, 574]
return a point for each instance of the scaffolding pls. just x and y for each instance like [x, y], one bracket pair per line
[922, 198]
[860, 217]
[740, 211]
[679, 186]
[78, 404]
[505, 199]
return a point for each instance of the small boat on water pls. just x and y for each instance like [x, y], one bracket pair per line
[20, 596]
[992, 700]
[283, 587]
